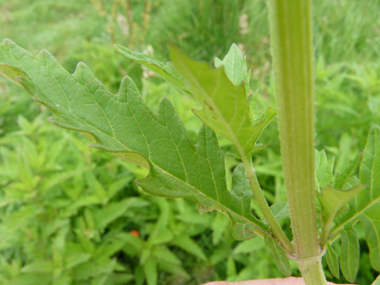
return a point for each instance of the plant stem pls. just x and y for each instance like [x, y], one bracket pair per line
[292, 51]
[261, 201]
[312, 271]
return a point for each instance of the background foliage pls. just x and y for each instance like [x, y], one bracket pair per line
[72, 215]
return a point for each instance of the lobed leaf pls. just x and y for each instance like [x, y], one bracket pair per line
[225, 108]
[371, 222]
[236, 69]
[166, 71]
[216, 91]
[123, 125]
[365, 205]
[323, 169]
[333, 200]
[341, 179]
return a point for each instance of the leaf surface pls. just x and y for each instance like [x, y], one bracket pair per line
[186, 243]
[323, 169]
[280, 210]
[365, 205]
[333, 200]
[371, 222]
[235, 67]
[332, 261]
[216, 91]
[166, 71]
[225, 108]
[349, 256]
[279, 256]
[341, 179]
[369, 175]
[123, 125]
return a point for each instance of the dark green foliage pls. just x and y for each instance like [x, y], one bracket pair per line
[348, 80]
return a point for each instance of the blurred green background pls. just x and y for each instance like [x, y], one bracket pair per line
[70, 214]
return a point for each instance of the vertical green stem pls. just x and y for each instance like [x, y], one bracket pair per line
[312, 271]
[291, 37]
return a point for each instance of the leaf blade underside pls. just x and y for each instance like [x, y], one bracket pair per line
[166, 71]
[231, 81]
[122, 124]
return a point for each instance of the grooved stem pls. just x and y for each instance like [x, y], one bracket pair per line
[292, 51]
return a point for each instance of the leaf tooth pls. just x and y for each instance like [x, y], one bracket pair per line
[8, 44]
[127, 86]
[84, 75]
[5, 42]
[165, 110]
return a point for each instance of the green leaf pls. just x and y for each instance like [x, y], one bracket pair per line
[332, 261]
[136, 242]
[349, 256]
[280, 211]
[164, 254]
[100, 280]
[333, 200]
[235, 67]
[242, 193]
[166, 71]
[111, 212]
[218, 226]
[118, 185]
[220, 253]
[371, 222]
[32, 279]
[217, 94]
[122, 124]
[96, 187]
[364, 205]
[341, 179]
[174, 269]
[188, 245]
[162, 236]
[76, 258]
[249, 246]
[279, 256]
[54, 180]
[323, 169]
[86, 244]
[40, 266]
[93, 268]
[150, 270]
[231, 267]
